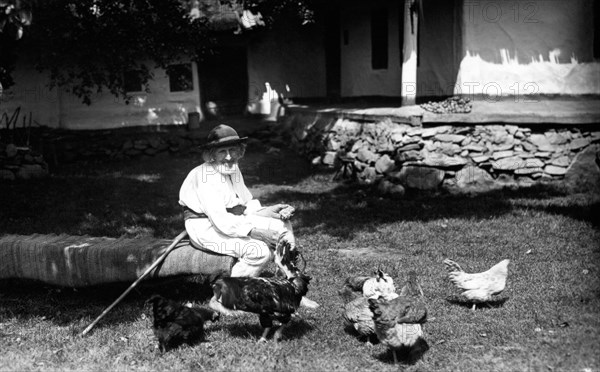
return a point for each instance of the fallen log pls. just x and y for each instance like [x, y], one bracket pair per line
[79, 261]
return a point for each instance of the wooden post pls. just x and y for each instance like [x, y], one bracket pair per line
[408, 90]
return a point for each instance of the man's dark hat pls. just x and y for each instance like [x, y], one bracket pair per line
[222, 135]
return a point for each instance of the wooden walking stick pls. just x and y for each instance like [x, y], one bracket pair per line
[152, 267]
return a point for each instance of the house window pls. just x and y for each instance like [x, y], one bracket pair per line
[379, 39]
[180, 78]
[132, 81]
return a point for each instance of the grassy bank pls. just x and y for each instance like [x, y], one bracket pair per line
[548, 321]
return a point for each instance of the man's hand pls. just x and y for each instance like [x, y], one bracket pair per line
[279, 211]
[269, 237]
[287, 213]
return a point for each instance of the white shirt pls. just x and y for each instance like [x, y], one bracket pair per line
[207, 191]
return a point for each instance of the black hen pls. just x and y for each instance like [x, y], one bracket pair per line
[175, 324]
[270, 298]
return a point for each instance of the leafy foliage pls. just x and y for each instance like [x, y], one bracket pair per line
[14, 16]
[88, 45]
[280, 11]
[96, 41]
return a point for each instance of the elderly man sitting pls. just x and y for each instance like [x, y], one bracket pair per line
[222, 216]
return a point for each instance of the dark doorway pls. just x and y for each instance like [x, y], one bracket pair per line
[224, 80]
[440, 49]
[379, 39]
[331, 20]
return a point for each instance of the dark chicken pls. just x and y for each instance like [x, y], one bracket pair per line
[271, 298]
[175, 324]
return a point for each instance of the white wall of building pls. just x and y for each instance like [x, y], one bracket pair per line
[358, 76]
[57, 108]
[522, 48]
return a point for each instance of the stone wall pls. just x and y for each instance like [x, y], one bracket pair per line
[21, 163]
[396, 156]
[49, 148]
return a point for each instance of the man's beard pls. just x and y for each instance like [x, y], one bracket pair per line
[227, 168]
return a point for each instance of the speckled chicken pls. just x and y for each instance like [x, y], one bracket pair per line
[398, 321]
[356, 293]
[358, 315]
[478, 287]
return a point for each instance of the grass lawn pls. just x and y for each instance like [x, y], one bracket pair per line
[549, 321]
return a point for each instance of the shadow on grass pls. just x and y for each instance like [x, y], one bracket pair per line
[364, 209]
[27, 299]
[130, 198]
[372, 339]
[295, 329]
[494, 304]
[89, 206]
[141, 198]
[405, 355]
[125, 207]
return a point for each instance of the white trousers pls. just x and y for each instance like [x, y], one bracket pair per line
[252, 255]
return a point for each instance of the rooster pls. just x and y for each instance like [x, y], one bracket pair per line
[175, 324]
[356, 292]
[398, 320]
[271, 298]
[479, 287]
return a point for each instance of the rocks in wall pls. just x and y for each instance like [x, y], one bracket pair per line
[21, 163]
[80, 146]
[387, 153]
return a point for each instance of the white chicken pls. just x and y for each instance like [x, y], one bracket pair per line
[478, 287]
[381, 284]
